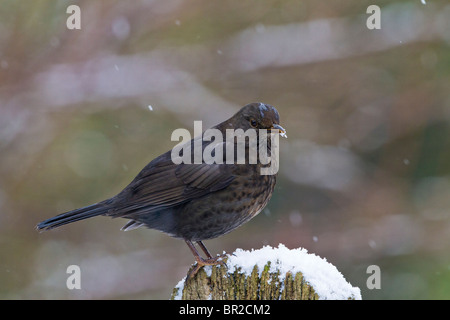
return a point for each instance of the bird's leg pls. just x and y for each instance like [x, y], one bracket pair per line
[203, 262]
[202, 246]
[210, 261]
[206, 251]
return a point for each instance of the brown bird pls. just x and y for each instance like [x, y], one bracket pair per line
[195, 201]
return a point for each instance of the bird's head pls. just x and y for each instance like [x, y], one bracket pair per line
[258, 116]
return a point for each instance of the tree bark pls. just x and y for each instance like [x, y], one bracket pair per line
[215, 283]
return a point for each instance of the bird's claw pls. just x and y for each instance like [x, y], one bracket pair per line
[201, 262]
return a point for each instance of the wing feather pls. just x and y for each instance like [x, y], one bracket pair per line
[163, 184]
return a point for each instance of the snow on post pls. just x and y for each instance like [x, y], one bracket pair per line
[268, 273]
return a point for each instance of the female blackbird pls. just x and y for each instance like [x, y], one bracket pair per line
[194, 201]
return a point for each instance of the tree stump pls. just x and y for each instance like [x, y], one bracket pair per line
[267, 274]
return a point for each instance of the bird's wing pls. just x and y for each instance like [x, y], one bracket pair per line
[163, 184]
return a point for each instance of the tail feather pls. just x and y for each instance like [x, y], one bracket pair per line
[72, 216]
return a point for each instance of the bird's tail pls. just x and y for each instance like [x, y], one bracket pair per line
[72, 216]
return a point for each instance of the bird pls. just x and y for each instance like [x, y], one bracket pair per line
[195, 201]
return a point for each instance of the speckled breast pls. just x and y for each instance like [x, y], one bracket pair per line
[223, 211]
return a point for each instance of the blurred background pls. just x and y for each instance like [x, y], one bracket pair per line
[364, 176]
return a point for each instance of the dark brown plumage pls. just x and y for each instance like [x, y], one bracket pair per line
[193, 202]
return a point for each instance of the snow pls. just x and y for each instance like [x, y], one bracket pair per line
[179, 286]
[324, 277]
[262, 107]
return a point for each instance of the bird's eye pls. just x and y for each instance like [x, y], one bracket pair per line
[253, 122]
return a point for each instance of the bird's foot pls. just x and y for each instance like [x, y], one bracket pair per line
[201, 262]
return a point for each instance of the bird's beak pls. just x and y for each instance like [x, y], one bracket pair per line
[280, 129]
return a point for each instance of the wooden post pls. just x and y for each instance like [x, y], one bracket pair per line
[221, 285]
[230, 281]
